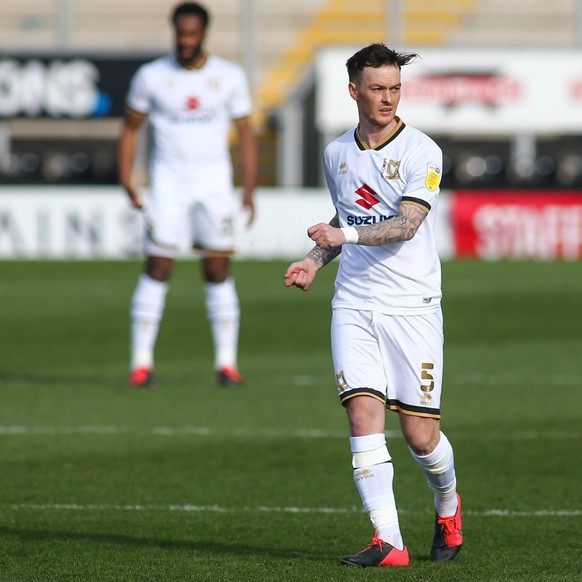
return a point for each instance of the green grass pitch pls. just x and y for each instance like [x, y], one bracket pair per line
[194, 482]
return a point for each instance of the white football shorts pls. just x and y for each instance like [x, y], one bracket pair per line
[397, 359]
[178, 214]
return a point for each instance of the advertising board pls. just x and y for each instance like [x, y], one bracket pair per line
[467, 92]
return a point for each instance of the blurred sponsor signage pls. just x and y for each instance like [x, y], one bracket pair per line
[467, 91]
[76, 87]
[81, 222]
[59, 222]
[543, 225]
[68, 223]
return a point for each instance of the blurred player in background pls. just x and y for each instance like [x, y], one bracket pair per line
[387, 328]
[191, 98]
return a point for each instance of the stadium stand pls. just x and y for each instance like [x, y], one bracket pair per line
[524, 23]
[355, 23]
[287, 36]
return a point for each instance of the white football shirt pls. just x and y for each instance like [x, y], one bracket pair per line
[368, 186]
[190, 111]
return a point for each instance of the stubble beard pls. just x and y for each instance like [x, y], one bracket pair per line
[191, 60]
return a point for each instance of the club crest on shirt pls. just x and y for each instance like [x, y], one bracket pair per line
[214, 84]
[390, 169]
[433, 177]
[343, 169]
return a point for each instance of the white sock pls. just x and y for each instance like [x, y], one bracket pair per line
[147, 307]
[439, 468]
[373, 476]
[222, 309]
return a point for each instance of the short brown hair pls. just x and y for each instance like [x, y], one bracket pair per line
[376, 55]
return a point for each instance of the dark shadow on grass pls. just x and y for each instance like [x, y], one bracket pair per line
[420, 558]
[119, 381]
[217, 548]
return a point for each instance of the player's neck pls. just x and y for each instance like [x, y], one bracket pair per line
[375, 135]
[197, 63]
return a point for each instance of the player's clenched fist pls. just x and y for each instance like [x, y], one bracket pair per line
[326, 236]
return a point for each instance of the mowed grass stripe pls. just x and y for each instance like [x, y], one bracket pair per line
[190, 482]
[566, 380]
[187, 508]
[265, 433]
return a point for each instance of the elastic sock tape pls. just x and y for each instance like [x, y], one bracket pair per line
[370, 458]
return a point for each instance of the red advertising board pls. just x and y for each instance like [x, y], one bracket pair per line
[495, 225]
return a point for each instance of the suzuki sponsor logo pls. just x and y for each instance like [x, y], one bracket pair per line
[192, 103]
[365, 220]
[368, 197]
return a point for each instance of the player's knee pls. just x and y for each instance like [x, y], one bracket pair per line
[216, 269]
[215, 277]
[422, 443]
[421, 434]
[159, 268]
[440, 459]
[366, 415]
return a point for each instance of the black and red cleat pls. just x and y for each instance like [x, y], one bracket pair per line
[229, 376]
[378, 553]
[448, 536]
[142, 378]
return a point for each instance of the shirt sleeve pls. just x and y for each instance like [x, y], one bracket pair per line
[328, 174]
[240, 103]
[137, 97]
[423, 173]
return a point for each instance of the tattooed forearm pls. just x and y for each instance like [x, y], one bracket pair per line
[401, 227]
[322, 257]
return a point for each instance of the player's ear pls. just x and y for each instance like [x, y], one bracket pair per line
[353, 91]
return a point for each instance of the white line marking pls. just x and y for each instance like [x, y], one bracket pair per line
[16, 430]
[538, 513]
[167, 431]
[175, 431]
[265, 509]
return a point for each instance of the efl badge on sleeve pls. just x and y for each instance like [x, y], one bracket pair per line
[433, 177]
